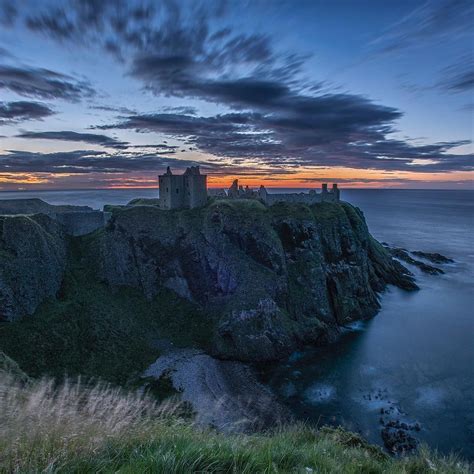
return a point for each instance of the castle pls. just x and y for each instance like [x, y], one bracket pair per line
[189, 190]
[312, 197]
[186, 190]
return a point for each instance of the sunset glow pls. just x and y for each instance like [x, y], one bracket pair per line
[285, 103]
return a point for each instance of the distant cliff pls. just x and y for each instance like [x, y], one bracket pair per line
[269, 277]
[262, 279]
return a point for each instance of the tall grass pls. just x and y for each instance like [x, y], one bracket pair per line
[78, 428]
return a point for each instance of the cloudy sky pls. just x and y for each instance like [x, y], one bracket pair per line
[107, 93]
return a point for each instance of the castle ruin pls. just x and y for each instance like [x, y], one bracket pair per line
[189, 190]
[178, 191]
[311, 197]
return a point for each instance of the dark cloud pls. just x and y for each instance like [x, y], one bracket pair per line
[183, 109]
[463, 82]
[107, 108]
[444, 20]
[459, 77]
[171, 39]
[97, 139]
[8, 12]
[274, 116]
[43, 83]
[88, 161]
[70, 136]
[356, 140]
[20, 111]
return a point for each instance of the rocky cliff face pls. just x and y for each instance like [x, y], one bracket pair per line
[269, 278]
[33, 259]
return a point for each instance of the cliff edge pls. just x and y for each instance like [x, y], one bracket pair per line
[269, 278]
[235, 278]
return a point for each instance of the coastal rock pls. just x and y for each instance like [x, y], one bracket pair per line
[269, 278]
[433, 257]
[33, 260]
[403, 254]
[253, 334]
[224, 394]
[398, 440]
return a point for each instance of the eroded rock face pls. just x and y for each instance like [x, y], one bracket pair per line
[272, 278]
[224, 394]
[33, 259]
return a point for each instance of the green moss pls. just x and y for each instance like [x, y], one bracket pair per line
[327, 210]
[144, 202]
[113, 208]
[96, 332]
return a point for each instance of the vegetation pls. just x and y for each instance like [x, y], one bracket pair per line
[144, 202]
[95, 332]
[78, 429]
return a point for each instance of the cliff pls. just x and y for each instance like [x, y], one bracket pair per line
[235, 278]
[37, 206]
[33, 259]
[269, 278]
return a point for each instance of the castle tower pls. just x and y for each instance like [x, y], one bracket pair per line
[195, 187]
[263, 193]
[336, 192]
[187, 190]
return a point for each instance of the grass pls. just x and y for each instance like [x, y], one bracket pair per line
[74, 428]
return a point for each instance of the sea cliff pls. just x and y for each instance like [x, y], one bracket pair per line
[256, 282]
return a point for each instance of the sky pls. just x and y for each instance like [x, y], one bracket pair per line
[108, 93]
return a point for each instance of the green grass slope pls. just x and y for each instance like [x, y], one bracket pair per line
[76, 429]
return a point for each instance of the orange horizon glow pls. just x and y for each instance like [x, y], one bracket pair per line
[304, 179]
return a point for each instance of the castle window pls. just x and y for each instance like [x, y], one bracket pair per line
[166, 189]
[177, 191]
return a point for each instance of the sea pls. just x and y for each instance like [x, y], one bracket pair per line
[416, 355]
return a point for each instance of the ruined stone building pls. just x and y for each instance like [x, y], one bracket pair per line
[239, 192]
[178, 191]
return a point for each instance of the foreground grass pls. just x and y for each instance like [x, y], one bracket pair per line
[74, 428]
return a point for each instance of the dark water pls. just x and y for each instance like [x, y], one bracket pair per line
[416, 354]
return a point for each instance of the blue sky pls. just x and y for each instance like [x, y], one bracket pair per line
[108, 93]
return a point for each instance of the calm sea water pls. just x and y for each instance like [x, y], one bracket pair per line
[416, 354]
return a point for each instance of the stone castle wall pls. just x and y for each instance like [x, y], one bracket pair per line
[312, 197]
[305, 198]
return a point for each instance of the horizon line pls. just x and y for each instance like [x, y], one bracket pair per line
[115, 188]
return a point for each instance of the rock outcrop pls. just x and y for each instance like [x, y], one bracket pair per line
[224, 394]
[33, 260]
[270, 278]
